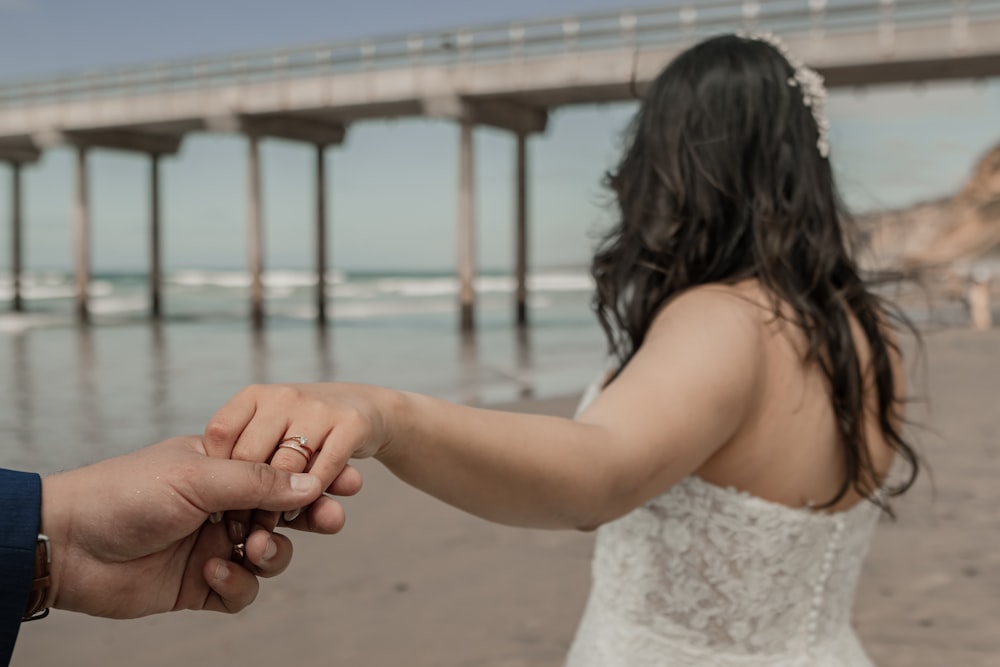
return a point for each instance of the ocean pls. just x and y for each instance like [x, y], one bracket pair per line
[70, 395]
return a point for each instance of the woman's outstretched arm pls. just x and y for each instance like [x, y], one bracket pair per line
[681, 398]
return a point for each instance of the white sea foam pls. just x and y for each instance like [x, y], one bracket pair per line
[277, 279]
[118, 306]
[561, 281]
[50, 289]
[417, 287]
[56, 285]
[434, 286]
[289, 293]
[229, 279]
[15, 324]
[374, 309]
[288, 279]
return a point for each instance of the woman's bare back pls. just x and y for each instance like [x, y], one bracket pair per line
[788, 450]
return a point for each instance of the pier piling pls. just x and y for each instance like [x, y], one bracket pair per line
[81, 236]
[321, 234]
[255, 228]
[466, 227]
[16, 237]
[155, 269]
[521, 231]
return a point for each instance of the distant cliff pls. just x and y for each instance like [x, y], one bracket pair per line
[964, 229]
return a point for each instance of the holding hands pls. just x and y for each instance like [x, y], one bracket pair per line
[640, 435]
[130, 535]
[298, 428]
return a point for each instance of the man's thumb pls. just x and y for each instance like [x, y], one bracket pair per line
[242, 485]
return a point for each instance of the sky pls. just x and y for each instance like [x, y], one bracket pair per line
[392, 189]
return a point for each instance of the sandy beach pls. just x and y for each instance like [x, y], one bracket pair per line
[413, 582]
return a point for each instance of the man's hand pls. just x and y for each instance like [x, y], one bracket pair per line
[129, 535]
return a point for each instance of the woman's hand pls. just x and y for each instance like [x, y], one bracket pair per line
[335, 421]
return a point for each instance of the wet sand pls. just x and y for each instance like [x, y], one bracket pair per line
[413, 582]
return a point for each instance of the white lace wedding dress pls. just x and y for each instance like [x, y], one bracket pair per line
[714, 577]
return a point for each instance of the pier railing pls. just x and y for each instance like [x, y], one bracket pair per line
[662, 26]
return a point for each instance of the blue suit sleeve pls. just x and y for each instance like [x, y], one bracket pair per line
[20, 508]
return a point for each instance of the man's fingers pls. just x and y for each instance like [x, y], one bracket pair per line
[325, 516]
[269, 554]
[237, 525]
[348, 482]
[233, 587]
[234, 485]
[266, 520]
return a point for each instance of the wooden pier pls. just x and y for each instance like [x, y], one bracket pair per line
[508, 76]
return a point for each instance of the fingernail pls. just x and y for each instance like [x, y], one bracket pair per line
[215, 517]
[291, 515]
[303, 482]
[221, 571]
[237, 531]
[270, 550]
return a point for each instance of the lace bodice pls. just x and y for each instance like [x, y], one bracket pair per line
[705, 575]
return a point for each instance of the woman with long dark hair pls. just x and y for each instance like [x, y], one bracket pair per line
[734, 461]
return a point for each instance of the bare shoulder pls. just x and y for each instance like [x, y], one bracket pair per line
[725, 315]
[689, 388]
[711, 340]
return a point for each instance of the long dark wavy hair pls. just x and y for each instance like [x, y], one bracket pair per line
[722, 181]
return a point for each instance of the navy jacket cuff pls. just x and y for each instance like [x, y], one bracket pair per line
[20, 507]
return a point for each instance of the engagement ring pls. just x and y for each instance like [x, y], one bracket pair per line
[297, 443]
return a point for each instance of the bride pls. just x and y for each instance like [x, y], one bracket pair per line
[734, 460]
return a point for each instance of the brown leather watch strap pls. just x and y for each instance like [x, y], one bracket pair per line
[36, 608]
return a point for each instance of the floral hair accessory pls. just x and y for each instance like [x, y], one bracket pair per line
[809, 81]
